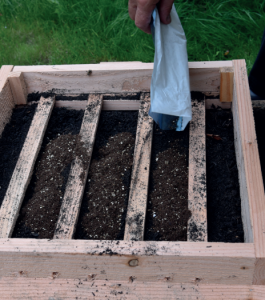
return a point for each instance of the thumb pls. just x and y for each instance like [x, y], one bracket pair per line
[164, 9]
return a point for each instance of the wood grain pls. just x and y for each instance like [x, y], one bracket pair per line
[54, 289]
[113, 77]
[197, 201]
[180, 262]
[22, 174]
[226, 84]
[136, 211]
[74, 191]
[18, 88]
[248, 163]
[6, 98]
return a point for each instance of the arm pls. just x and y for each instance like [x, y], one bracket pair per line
[141, 10]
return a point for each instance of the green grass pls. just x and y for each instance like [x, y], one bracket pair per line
[88, 31]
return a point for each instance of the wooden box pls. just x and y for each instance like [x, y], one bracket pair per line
[63, 268]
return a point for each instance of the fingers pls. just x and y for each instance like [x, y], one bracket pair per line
[164, 9]
[141, 11]
[132, 6]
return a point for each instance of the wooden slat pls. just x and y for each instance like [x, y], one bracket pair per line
[182, 262]
[128, 104]
[197, 224]
[118, 65]
[226, 84]
[250, 177]
[136, 211]
[74, 191]
[22, 174]
[18, 87]
[258, 103]
[113, 77]
[48, 288]
[6, 98]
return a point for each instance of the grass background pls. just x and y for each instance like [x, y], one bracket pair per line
[88, 31]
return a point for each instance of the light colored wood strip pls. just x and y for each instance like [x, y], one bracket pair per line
[113, 77]
[22, 174]
[6, 98]
[47, 288]
[18, 87]
[136, 211]
[117, 65]
[226, 84]
[251, 183]
[217, 263]
[197, 201]
[128, 104]
[74, 191]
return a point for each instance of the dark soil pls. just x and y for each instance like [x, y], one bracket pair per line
[11, 144]
[223, 198]
[259, 115]
[106, 195]
[42, 202]
[167, 209]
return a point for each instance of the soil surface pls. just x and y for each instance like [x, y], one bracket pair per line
[11, 144]
[223, 198]
[105, 201]
[167, 209]
[42, 202]
[259, 115]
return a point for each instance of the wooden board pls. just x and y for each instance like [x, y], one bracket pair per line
[83, 289]
[226, 84]
[112, 77]
[18, 87]
[180, 262]
[197, 201]
[136, 211]
[250, 177]
[6, 98]
[128, 104]
[22, 174]
[74, 191]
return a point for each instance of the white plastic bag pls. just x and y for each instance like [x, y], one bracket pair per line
[170, 87]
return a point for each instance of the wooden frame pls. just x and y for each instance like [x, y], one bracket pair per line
[196, 269]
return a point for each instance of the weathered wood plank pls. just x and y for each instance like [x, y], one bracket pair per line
[113, 77]
[18, 87]
[181, 262]
[6, 98]
[22, 174]
[136, 211]
[197, 224]
[226, 84]
[210, 103]
[250, 177]
[47, 288]
[74, 191]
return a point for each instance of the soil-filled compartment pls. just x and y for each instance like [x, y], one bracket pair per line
[42, 202]
[104, 205]
[11, 143]
[223, 195]
[167, 208]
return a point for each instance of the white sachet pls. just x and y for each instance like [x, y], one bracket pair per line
[170, 87]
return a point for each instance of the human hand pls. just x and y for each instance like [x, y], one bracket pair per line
[141, 11]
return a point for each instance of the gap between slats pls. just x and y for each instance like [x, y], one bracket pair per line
[71, 203]
[22, 174]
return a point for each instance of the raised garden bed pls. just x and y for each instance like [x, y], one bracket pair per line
[133, 267]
